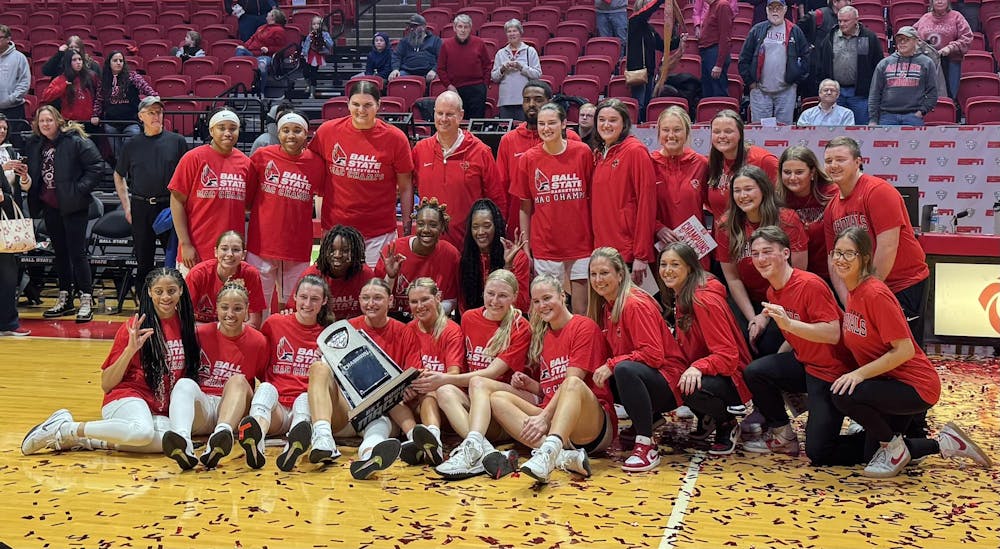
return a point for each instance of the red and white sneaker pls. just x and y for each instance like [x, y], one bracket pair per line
[889, 459]
[644, 457]
[956, 444]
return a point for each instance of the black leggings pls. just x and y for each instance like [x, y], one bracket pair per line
[644, 392]
[768, 342]
[715, 395]
[767, 377]
[885, 407]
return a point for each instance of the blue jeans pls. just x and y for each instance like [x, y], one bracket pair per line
[614, 25]
[857, 103]
[953, 74]
[893, 119]
[713, 87]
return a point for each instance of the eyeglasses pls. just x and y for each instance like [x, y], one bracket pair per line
[849, 255]
[775, 7]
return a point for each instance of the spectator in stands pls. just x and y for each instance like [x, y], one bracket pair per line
[701, 8]
[513, 66]
[585, 121]
[417, 53]
[816, 24]
[14, 180]
[15, 80]
[714, 46]
[379, 61]
[251, 14]
[317, 44]
[464, 66]
[267, 41]
[828, 112]
[75, 91]
[643, 43]
[969, 10]
[144, 169]
[772, 63]
[208, 191]
[118, 101]
[904, 87]
[190, 47]
[849, 55]
[455, 167]
[55, 65]
[950, 34]
[67, 167]
[612, 20]
[270, 137]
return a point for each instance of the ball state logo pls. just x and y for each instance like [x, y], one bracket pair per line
[990, 301]
[542, 183]
[209, 178]
[271, 173]
[205, 308]
[204, 364]
[338, 157]
[284, 352]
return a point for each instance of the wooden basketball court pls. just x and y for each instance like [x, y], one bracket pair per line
[108, 499]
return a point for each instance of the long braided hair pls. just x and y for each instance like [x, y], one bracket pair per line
[470, 267]
[153, 356]
[354, 242]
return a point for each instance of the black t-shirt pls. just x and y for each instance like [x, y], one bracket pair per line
[148, 163]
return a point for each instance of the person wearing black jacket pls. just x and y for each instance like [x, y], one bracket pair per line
[13, 180]
[54, 66]
[66, 168]
[855, 78]
[816, 25]
[640, 50]
[252, 14]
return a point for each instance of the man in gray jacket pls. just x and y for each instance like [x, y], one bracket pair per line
[15, 79]
[904, 87]
[612, 20]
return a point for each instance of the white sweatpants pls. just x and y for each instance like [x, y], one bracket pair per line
[129, 425]
[278, 272]
[192, 412]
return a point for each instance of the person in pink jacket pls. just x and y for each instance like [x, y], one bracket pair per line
[949, 33]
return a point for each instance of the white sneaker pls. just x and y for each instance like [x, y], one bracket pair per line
[620, 411]
[889, 459]
[684, 412]
[853, 428]
[751, 425]
[782, 440]
[45, 434]
[465, 461]
[574, 461]
[541, 463]
[324, 449]
[956, 444]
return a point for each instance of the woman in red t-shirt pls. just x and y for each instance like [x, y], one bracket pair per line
[231, 354]
[281, 403]
[895, 382]
[575, 418]
[341, 263]
[752, 204]
[728, 154]
[805, 189]
[206, 279]
[486, 249]
[712, 343]
[151, 352]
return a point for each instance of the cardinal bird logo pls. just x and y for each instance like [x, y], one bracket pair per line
[209, 178]
[285, 350]
[205, 307]
[271, 173]
[541, 181]
[204, 364]
[990, 301]
[338, 157]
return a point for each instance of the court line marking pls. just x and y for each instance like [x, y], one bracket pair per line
[681, 503]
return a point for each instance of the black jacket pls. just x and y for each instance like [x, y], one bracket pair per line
[78, 168]
[797, 54]
[869, 56]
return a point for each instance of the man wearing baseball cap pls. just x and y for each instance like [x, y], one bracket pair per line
[904, 87]
[773, 61]
[417, 53]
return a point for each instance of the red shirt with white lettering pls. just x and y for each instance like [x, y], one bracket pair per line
[810, 212]
[681, 187]
[578, 344]
[344, 292]
[478, 330]
[757, 285]
[395, 338]
[280, 194]
[133, 382]
[448, 350]
[292, 349]
[718, 196]
[223, 356]
[808, 298]
[441, 266]
[623, 200]
[559, 188]
[204, 284]
[876, 206]
[362, 166]
[872, 322]
[215, 186]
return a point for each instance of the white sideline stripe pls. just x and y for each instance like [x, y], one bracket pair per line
[681, 503]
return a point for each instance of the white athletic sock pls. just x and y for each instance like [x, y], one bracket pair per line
[409, 435]
[265, 398]
[436, 431]
[553, 442]
[223, 427]
[68, 430]
[479, 439]
[322, 427]
[376, 432]
[300, 409]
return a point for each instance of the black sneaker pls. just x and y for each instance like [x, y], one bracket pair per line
[410, 453]
[250, 436]
[63, 307]
[704, 429]
[298, 443]
[219, 446]
[500, 464]
[383, 455]
[725, 438]
[429, 445]
[175, 448]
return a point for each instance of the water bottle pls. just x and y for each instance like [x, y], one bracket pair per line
[100, 300]
[935, 225]
[996, 217]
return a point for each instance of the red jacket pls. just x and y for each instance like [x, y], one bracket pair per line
[681, 188]
[623, 200]
[83, 106]
[465, 64]
[271, 37]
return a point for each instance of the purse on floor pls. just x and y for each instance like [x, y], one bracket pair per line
[17, 235]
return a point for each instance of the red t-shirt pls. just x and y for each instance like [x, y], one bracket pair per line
[872, 322]
[578, 344]
[362, 167]
[478, 330]
[223, 356]
[344, 292]
[216, 189]
[808, 298]
[681, 187]
[876, 206]
[810, 212]
[204, 284]
[559, 187]
[292, 349]
[280, 193]
[757, 285]
[395, 339]
[718, 197]
[623, 200]
[468, 174]
[133, 383]
[441, 266]
[443, 353]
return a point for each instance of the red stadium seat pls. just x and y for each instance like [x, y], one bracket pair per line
[597, 65]
[632, 105]
[982, 110]
[977, 61]
[574, 29]
[565, 47]
[162, 66]
[241, 70]
[943, 114]
[154, 48]
[977, 85]
[493, 31]
[104, 18]
[586, 86]
[111, 33]
[618, 88]
[146, 33]
[504, 14]
[173, 86]
[741, 28]
[735, 87]
[393, 104]
[548, 15]
[906, 12]
[74, 18]
[201, 19]
[437, 87]
[659, 104]
[198, 67]
[585, 14]
[407, 88]
[172, 19]
[335, 108]
[133, 19]
[46, 34]
[556, 66]
[608, 47]
[377, 80]
[710, 106]
[211, 34]
[437, 17]
[42, 19]
[688, 64]
[175, 34]
[537, 34]
[212, 86]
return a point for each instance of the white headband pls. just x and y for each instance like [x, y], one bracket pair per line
[292, 118]
[223, 116]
